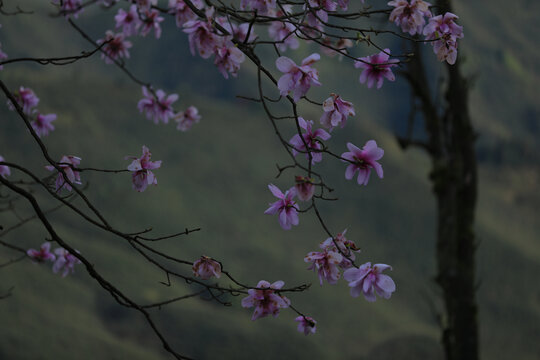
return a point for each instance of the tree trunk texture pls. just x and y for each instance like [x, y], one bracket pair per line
[450, 144]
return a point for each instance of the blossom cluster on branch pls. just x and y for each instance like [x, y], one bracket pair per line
[230, 36]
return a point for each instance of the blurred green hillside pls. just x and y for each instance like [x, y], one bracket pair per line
[215, 177]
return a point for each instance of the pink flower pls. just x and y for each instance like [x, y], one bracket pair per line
[297, 79]
[65, 262]
[363, 161]
[304, 188]
[187, 118]
[201, 35]
[310, 138]
[265, 300]
[67, 163]
[206, 267]
[263, 7]
[69, 7]
[285, 206]
[158, 107]
[182, 12]
[43, 254]
[325, 263]
[228, 59]
[336, 111]
[142, 175]
[129, 21]
[368, 280]
[445, 32]
[376, 68]
[346, 247]
[115, 48]
[4, 169]
[26, 99]
[410, 16]
[42, 125]
[151, 21]
[306, 324]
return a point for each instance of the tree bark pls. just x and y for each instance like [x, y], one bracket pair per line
[450, 144]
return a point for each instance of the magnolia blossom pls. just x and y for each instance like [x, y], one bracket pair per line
[369, 280]
[376, 68]
[325, 263]
[65, 262]
[297, 79]
[151, 21]
[306, 324]
[43, 254]
[116, 47]
[309, 137]
[206, 267]
[265, 300]
[201, 35]
[228, 59]
[336, 111]
[363, 161]
[4, 169]
[158, 107]
[27, 100]
[410, 15]
[69, 7]
[182, 12]
[263, 7]
[187, 118]
[304, 188]
[67, 163]
[445, 32]
[141, 169]
[345, 247]
[129, 21]
[285, 207]
[42, 124]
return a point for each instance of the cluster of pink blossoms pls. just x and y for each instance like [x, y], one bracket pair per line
[328, 262]
[141, 169]
[64, 261]
[204, 37]
[441, 30]
[28, 101]
[339, 253]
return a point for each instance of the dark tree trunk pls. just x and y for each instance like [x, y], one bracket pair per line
[450, 144]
